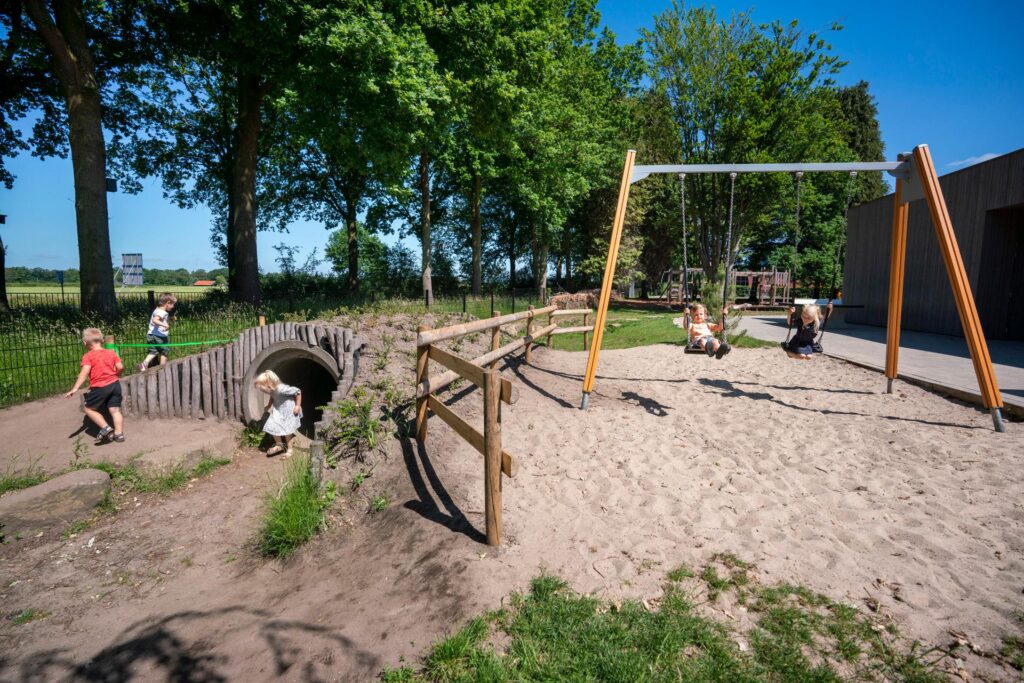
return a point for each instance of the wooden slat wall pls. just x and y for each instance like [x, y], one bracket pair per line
[208, 384]
[987, 246]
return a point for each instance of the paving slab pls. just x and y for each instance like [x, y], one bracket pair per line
[934, 360]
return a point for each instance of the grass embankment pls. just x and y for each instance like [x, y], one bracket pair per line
[629, 327]
[295, 513]
[793, 634]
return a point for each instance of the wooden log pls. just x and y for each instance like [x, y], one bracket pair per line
[348, 339]
[492, 457]
[165, 392]
[311, 337]
[272, 331]
[339, 347]
[254, 345]
[186, 388]
[529, 334]
[152, 398]
[266, 336]
[236, 384]
[263, 320]
[509, 463]
[216, 382]
[229, 378]
[140, 395]
[422, 367]
[300, 332]
[571, 312]
[318, 336]
[175, 390]
[473, 373]
[495, 339]
[571, 330]
[439, 382]
[444, 333]
[196, 387]
[126, 403]
[222, 382]
[205, 372]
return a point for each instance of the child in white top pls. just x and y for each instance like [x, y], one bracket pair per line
[159, 331]
[285, 408]
[701, 333]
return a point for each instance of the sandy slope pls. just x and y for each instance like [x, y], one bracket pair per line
[804, 468]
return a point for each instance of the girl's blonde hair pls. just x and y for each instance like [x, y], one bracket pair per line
[268, 379]
[813, 310]
[697, 307]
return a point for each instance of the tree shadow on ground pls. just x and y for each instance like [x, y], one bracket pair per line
[417, 458]
[158, 648]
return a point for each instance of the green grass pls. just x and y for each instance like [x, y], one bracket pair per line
[13, 481]
[353, 430]
[295, 513]
[555, 634]
[379, 504]
[70, 288]
[629, 327]
[27, 615]
[251, 437]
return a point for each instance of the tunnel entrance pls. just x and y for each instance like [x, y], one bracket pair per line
[311, 369]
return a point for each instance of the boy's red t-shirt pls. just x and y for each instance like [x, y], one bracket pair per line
[102, 367]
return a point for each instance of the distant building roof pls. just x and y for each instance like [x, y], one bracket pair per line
[204, 283]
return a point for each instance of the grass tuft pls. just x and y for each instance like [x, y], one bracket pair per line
[295, 513]
[23, 480]
[25, 616]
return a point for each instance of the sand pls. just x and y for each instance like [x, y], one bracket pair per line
[806, 469]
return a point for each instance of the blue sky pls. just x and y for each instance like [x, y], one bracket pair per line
[944, 73]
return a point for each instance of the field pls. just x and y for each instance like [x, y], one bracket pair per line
[73, 289]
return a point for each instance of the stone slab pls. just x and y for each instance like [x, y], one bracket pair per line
[59, 501]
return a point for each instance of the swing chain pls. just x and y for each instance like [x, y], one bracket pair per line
[686, 261]
[796, 232]
[728, 257]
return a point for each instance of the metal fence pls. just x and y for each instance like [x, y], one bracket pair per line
[40, 341]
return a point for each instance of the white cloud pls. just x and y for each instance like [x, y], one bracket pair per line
[970, 161]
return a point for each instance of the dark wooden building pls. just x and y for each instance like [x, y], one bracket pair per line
[986, 205]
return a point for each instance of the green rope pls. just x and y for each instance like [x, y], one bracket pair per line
[146, 346]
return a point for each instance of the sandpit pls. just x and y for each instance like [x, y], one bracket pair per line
[807, 469]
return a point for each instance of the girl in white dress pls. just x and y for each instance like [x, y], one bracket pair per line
[285, 408]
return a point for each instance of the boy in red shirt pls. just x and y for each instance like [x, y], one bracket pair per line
[101, 367]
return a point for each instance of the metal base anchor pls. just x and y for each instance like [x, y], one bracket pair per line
[888, 388]
[997, 419]
[586, 400]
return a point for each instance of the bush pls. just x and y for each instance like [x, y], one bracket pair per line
[295, 513]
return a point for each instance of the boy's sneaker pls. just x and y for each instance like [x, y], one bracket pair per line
[105, 435]
[722, 350]
[141, 367]
[118, 438]
[709, 349]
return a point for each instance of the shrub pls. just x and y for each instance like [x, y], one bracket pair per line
[355, 431]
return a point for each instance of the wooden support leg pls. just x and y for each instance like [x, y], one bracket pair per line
[965, 304]
[422, 365]
[492, 456]
[898, 250]
[609, 275]
[529, 337]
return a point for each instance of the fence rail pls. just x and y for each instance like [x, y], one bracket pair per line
[481, 371]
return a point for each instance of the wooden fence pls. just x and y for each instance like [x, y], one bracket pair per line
[209, 384]
[482, 372]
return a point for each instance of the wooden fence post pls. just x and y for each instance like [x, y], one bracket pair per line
[492, 456]
[586, 341]
[495, 338]
[422, 368]
[529, 335]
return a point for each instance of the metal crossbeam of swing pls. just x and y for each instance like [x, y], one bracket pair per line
[903, 167]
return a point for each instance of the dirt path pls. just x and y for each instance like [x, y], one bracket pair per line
[803, 468]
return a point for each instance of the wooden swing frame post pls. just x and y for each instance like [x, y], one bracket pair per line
[609, 276]
[916, 178]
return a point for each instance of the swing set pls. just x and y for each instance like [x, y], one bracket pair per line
[915, 179]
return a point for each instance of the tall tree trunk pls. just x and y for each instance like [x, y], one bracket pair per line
[428, 286]
[567, 256]
[246, 261]
[229, 230]
[352, 230]
[66, 38]
[540, 265]
[5, 307]
[474, 202]
[558, 270]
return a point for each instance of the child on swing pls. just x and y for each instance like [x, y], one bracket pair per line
[802, 344]
[285, 408]
[701, 333]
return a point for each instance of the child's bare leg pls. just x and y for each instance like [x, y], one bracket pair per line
[163, 359]
[118, 418]
[288, 442]
[147, 360]
[97, 417]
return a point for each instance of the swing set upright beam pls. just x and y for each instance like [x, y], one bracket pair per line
[916, 178]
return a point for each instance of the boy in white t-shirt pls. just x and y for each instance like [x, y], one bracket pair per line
[159, 331]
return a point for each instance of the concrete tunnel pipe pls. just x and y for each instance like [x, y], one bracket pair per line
[309, 368]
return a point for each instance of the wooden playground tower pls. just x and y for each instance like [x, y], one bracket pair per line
[915, 179]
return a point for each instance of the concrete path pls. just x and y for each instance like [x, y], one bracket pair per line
[934, 360]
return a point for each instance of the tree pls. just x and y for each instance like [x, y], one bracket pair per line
[5, 306]
[742, 93]
[864, 137]
[85, 46]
